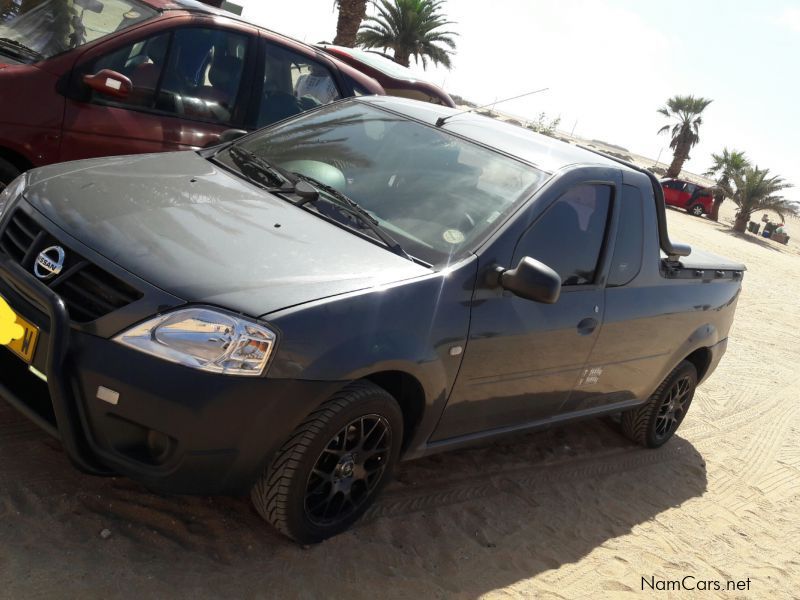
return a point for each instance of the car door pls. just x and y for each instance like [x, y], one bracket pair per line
[188, 85]
[687, 195]
[523, 358]
[672, 192]
[622, 361]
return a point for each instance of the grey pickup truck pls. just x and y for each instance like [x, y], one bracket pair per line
[291, 313]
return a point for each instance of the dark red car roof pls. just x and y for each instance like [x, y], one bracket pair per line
[398, 78]
[194, 6]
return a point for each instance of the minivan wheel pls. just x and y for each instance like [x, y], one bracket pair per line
[333, 465]
[656, 421]
[697, 210]
[8, 173]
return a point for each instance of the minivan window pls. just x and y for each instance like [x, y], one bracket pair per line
[195, 75]
[203, 74]
[142, 62]
[568, 238]
[34, 30]
[437, 194]
[293, 83]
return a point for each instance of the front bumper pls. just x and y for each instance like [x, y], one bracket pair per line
[173, 428]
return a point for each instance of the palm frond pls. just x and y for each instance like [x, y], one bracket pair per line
[410, 28]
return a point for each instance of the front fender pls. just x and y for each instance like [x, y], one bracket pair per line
[410, 327]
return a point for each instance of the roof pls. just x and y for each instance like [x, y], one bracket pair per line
[546, 153]
[377, 61]
[390, 75]
[192, 5]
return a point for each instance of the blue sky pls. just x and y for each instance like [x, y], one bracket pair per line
[610, 64]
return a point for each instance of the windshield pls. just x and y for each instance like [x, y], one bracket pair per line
[435, 193]
[34, 30]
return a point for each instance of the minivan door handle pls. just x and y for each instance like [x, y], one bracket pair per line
[587, 326]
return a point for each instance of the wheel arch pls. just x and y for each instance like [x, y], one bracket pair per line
[701, 359]
[410, 395]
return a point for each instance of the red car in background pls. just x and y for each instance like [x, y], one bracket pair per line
[696, 199]
[93, 78]
[396, 79]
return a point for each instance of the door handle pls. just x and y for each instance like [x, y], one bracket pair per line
[587, 326]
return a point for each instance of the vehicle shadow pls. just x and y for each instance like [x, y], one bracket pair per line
[462, 523]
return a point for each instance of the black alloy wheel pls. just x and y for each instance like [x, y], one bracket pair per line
[333, 465]
[673, 408]
[348, 470]
[653, 423]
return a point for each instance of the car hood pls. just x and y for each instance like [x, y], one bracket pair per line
[204, 235]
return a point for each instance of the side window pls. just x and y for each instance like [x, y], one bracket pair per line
[360, 90]
[203, 74]
[293, 83]
[628, 250]
[142, 63]
[569, 236]
[193, 73]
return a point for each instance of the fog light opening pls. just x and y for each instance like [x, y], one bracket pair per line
[159, 445]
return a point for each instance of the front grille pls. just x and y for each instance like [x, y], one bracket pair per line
[19, 236]
[88, 291]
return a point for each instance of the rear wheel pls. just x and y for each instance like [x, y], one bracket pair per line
[656, 421]
[8, 173]
[333, 466]
[697, 210]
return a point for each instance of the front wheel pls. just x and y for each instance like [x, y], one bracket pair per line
[697, 210]
[333, 465]
[656, 421]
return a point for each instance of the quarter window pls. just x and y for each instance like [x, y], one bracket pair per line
[142, 63]
[628, 250]
[569, 236]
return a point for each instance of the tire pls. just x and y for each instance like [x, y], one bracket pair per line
[655, 422]
[8, 173]
[697, 210]
[333, 465]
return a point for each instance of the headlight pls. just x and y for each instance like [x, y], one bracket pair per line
[204, 339]
[12, 191]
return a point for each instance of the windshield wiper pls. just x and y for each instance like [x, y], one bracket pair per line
[260, 171]
[19, 49]
[353, 208]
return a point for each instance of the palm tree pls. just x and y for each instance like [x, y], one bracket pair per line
[752, 189]
[351, 13]
[410, 28]
[686, 111]
[725, 165]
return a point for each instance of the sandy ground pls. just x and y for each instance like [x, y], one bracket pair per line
[572, 512]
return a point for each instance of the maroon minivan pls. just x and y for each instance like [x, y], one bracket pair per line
[92, 78]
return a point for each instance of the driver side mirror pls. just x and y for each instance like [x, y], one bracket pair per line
[532, 280]
[110, 83]
[94, 6]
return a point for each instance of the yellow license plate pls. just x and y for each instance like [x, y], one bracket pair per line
[25, 345]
